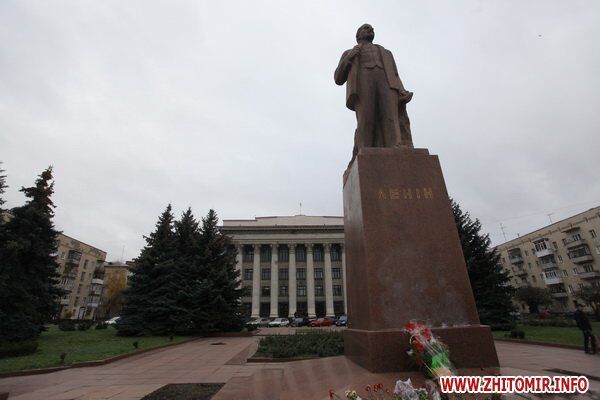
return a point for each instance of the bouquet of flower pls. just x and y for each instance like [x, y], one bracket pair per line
[428, 351]
[404, 390]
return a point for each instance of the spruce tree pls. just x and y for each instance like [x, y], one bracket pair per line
[219, 260]
[3, 187]
[189, 279]
[28, 269]
[148, 303]
[490, 283]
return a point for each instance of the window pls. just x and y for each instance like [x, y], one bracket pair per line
[82, 276]
[526, 253]
[537, 262]
[283, 253]
[588, 268]
[283, 274]
[337, 290]
[248, 254]
[564, 271]
[300, 273]
[266, 290]
[318, 253]
[301, 291]
[62, 255]
[265, 253]
[570, 289]
[529, 265]
[551, 274]
[79, 289]
[336, 273]
[300, 253]
[593, 233]
[540, 245]
[318, 273]
[555, 245]
[336, 254]
[85, 264]
[283, 291]
[265, 274]
[575, 271]
[248, 274]
[76, 301]
[533, 278]
[559, 258]
[318, 290]
[597, 249]
[576, 237]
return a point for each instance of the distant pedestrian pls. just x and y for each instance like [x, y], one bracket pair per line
[583, 323]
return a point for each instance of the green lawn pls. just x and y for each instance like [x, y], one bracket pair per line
[80, 346]
[551, 334]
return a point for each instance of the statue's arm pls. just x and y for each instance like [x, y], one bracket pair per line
[341, 72]
[405, 95]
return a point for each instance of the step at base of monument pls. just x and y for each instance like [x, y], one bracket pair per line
[386, 350]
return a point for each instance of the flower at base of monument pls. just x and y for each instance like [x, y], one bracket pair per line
[428, 351]
[352, 395]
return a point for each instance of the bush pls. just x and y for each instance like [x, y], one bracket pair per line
[517, 334]
[66, 325]
[15, 349]
[503, 327]
[84, 325]
[302, 345]
[550, 322]
[101, 325]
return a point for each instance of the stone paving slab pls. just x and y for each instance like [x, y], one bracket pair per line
[203, 362]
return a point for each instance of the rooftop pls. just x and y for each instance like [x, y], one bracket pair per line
[294, 220]
[563, 225]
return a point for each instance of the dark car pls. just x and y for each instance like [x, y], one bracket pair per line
[300, 322]
[342, 321]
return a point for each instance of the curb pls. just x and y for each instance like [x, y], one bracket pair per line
[278, 360]
[558, 345]
[93, 363]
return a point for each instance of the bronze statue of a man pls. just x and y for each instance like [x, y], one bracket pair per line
[374, 91]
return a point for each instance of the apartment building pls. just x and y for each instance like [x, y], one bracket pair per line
[292, 266]
[81, 276]
[563, 257]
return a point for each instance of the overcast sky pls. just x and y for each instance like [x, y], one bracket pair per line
[232, 105]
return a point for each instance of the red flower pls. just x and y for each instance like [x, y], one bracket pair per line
[368, 388]
[331, 394]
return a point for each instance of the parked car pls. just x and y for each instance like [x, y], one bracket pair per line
[342, 321]
[112, 321]
[322, 322]
[300, 322]
[259, 322]
[277, 322]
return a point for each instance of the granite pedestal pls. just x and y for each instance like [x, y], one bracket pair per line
[404, 262]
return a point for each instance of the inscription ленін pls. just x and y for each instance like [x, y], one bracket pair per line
[405, 194]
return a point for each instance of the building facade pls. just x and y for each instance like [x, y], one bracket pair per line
[81, 277]
[562, 257]
[291, 266]
[116, 280]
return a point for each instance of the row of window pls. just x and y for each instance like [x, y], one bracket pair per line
[283, 253]
[265, 274]
[301, 290]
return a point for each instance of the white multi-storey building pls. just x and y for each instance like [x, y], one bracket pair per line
[292, 266]
[563, 257]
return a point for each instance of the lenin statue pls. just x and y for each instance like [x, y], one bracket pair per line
[374, 91]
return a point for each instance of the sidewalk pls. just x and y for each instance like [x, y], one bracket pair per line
[206, 361]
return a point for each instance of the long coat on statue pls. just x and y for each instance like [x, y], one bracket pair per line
[348, 73]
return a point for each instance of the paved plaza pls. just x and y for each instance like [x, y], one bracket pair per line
[223, 360]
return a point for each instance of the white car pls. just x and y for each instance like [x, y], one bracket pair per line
[112, 321]
[279, 322]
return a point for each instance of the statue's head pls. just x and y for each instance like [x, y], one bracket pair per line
[365, 33]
